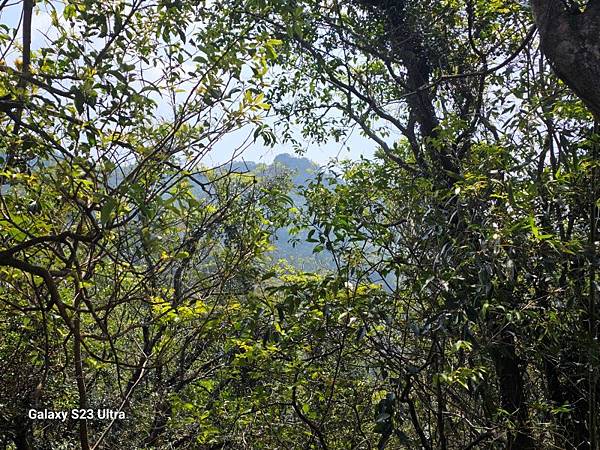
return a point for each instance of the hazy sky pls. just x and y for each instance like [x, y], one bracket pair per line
[257, 152]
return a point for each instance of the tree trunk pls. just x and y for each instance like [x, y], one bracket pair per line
[21, 437]
[510, 383]
[571, 41]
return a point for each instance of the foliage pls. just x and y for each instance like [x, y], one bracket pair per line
[459, 310]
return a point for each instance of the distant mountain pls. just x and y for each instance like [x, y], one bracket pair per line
[303, 168]
[293, 249]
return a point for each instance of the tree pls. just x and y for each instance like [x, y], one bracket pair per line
[121, 252]
[462, 103]
[569, 38]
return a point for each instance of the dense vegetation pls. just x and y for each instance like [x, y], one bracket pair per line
[452, 299]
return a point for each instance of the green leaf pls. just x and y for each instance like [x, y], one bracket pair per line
[107, 210]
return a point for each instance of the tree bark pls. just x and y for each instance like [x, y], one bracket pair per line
[21, 437]
[570, 39]
[512, 396]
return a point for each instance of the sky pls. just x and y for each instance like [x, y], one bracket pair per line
[354, 147]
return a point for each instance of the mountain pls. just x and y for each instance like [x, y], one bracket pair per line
[303, 169]
[293, 249]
